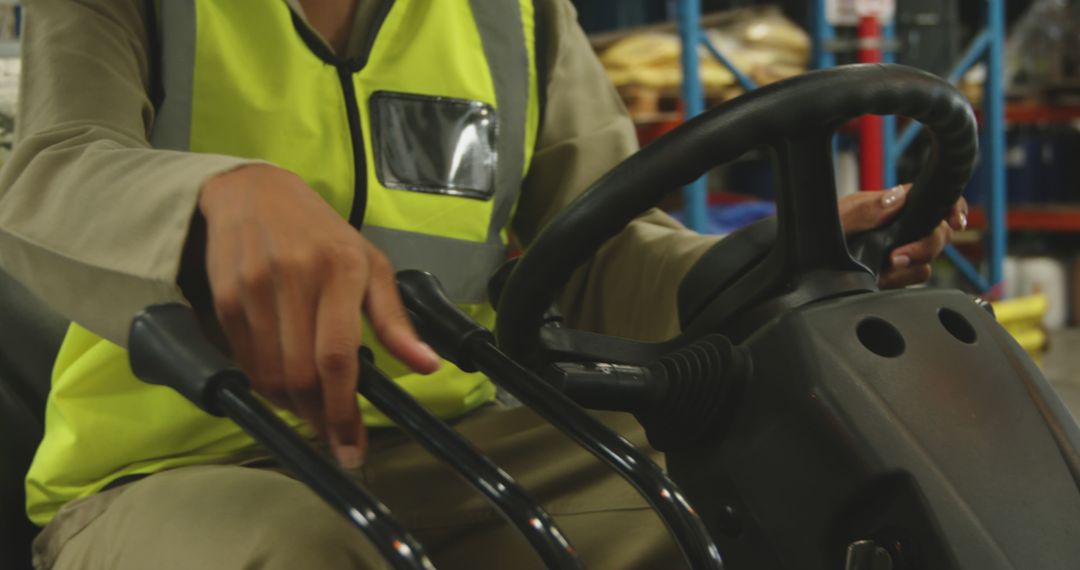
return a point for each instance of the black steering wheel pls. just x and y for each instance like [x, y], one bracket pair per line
[810, 259]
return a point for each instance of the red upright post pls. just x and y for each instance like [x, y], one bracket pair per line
[871, 151]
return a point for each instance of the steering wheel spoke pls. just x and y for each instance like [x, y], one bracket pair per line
[809, 236]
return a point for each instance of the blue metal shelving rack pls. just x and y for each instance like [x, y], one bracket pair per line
[989, 43]
[695, 194]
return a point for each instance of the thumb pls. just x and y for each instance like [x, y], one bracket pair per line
[864, 211]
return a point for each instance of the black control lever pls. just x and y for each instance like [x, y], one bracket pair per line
[442, 441]
[680, 398]
[167, 347]
[467, 344]
[442, 325]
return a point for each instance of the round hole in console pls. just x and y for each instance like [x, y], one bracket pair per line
[880, 337]
[957, 325]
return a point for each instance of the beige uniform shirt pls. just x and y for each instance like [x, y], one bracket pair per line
[94, 220]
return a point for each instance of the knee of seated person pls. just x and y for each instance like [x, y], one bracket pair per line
[270, 520]
[312, 535]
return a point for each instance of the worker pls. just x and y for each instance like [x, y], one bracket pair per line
[272, 163]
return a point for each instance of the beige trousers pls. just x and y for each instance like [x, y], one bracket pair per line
[220, 516]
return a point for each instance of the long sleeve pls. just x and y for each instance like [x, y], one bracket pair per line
[92, 219]
[629, 288]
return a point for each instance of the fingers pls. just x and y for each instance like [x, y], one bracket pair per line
[896, 278]
[296, 297]
[289, 279]
[246, 303]
[958, 217]
[864, 211]
[228, 302]
[264, 342]
[337, 342]
[924, 250]
[910, 264]
[387, 316]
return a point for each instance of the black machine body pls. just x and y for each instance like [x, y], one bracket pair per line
[845, 427]
[907, 418]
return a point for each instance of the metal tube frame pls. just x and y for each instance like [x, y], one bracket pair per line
[621, 455]
[364, 511]
[442, 441]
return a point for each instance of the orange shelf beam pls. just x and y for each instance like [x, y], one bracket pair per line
[1047, 218]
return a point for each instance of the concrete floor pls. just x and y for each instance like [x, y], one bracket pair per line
[1061, 364]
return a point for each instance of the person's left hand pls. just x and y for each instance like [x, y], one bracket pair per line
[910, 263]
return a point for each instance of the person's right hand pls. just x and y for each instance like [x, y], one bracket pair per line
[289, 278]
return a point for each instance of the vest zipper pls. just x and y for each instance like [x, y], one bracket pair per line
[356, 133]
[345, 70]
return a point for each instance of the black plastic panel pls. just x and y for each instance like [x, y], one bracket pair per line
[957, 454]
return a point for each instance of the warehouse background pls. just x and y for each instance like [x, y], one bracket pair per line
[1038, 287]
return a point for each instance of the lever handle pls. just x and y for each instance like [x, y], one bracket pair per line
[471, 347]
[438, 320]
[168, 348]
[442, 441]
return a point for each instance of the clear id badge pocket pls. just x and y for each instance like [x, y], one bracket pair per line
[437, 145]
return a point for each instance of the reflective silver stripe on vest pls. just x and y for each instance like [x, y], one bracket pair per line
[463, 267]
[501, 33]
[172, 125]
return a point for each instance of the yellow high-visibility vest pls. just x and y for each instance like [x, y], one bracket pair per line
[421, 143]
